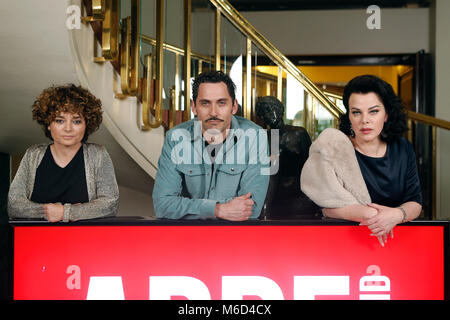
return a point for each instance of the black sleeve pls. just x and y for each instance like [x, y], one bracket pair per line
[413, 190]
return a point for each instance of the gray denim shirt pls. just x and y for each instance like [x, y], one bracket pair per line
[102, 188]
[188, 185]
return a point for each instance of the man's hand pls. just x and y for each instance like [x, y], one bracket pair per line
[238, 209]
[54, 212]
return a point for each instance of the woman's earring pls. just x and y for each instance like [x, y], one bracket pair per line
[352, 132]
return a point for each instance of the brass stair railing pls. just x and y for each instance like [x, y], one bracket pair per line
[435, 123]
[104, 18]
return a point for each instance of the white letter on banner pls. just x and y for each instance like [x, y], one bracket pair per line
[163, 288]
[306, 287]
[379, 287]
[105, 288]
[235, 287]
[74, 280]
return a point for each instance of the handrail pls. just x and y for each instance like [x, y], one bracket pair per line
[174, 49]
[429, 120]
[197, 56]
[434, 123]
[270, 50]
[333, 95]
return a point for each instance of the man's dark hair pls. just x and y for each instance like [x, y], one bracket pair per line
[395, 125]
[213, 76]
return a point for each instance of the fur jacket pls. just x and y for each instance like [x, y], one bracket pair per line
[331, 176]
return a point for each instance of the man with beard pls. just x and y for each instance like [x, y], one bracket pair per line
[213, 166]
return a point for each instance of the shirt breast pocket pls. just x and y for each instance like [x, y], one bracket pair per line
[228, 180]
[193, 180]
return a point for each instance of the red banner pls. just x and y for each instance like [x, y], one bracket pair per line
[227, 262]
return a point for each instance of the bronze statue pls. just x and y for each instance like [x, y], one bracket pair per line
[284, 197]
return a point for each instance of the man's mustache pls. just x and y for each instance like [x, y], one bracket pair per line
[213, 119]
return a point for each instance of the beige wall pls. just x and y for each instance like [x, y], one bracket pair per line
[343, 31]
[442, 65]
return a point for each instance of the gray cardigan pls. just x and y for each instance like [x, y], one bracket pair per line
[101, 183]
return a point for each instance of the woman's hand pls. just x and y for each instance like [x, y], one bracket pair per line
[384, 222]
[54, 212]
[383, 239]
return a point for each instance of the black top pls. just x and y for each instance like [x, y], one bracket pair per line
[393, 179]
[54, 184]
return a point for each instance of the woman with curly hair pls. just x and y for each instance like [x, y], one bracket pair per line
[366, 171]
[68, 179]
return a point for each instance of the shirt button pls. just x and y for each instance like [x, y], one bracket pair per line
[232, 169]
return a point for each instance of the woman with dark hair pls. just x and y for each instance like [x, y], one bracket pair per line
[367, 171]
[67, 179]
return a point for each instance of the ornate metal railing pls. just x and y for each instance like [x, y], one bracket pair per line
[126, 55]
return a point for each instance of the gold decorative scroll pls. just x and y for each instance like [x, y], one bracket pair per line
[147, 99]
[98, 11]
[130, 50]
[110, 31]
[187, 60]
[125, 55]
[159, 70]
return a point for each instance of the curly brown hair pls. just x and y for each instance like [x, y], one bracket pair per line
[67, 98]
